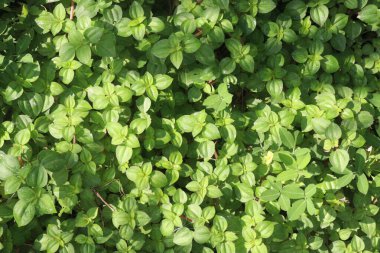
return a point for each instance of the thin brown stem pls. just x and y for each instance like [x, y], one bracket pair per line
[185, 218]
[215, 153]
[104, 202]
[72, 10]
[198, 32]
[211, 82]
[20, 161]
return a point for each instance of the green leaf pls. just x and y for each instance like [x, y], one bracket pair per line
[363, 184]
[310, 190]
[368, 226]
[234, 46]
[22, 137]
[83, 54]
[186, 123]
[119, 218]
[300, 55]
[287, 138]
[59, 12]
[205, 55]
[45, 205]
[94, 34]
[293, 191]
[23, 212]
[340, 21]
[266, 6]
[158, 179]
[247, 63]
[138, 32]
[167, 227]
[105, 47]
[297, 209]
[176, 58]
[376, 100]
[214, 192]
[227, 65]
[365, 119]
[31, 104]
[330, 64]
[9, 166]
[123, 154]
[333, 132]
[265, 228]
[219, 101]
[183, 237]
[12, 184]
[211, 132]
[156, 25]
[88, 8]
[357, 244]
[162, 82]
[52, 160]
[339, 159]
[202, 234]
[191, 44]
[37, 177]
[244, 192]
[369, 14]
[142, 218]
[319, 14]
[206, 149]
[270, 195]
[162, 48]
[320, 125]
[45, 21]
[67, 52]
[114, 14]
[135, 10]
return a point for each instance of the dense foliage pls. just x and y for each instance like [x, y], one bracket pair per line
[190, 126]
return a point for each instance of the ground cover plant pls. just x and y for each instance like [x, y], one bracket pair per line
[189, 126]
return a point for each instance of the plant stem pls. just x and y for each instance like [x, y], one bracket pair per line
[72, 10]
[104, 202]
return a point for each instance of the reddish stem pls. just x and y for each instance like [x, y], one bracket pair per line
[185, 218]
[198, 32]
[20, 161]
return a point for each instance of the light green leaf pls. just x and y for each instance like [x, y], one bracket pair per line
[266, 6]
[363, 184]
[339, 159]
[162, 49]
[202, 234]
[183, 237]
[369, 14]
[297, 209]
[319, 14]
[23, 212]
[176, 58]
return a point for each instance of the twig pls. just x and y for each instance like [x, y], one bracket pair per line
[72, 10]
[215, 153]
[104, 202]
[211, 82]
[198, 32]
[74, 139]
[185, 218]
[20, 161]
